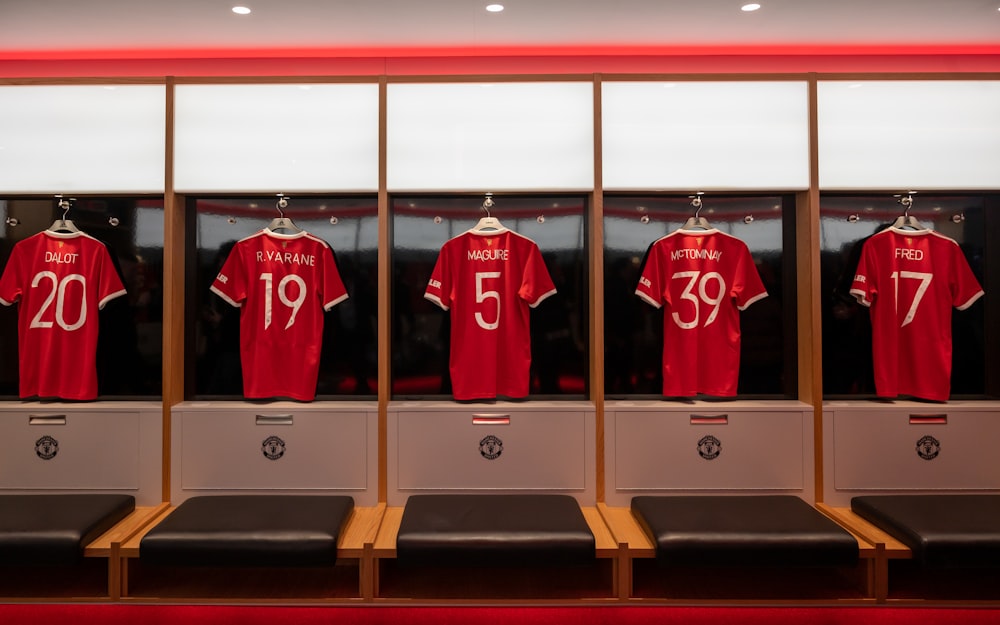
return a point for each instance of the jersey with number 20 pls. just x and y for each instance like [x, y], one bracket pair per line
[282, 283]
[703, 278]
[911, 279]
[488, 281]
[61, 281]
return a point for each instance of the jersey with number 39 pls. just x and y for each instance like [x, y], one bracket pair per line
[282, 284]
[703, 278]
[488, 281]
[61, 281]
[911, 279]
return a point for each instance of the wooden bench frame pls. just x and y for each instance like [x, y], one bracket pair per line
[604, 542]
[633, 543]
[355, 543]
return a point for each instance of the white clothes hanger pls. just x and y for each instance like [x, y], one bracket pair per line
[696, 222]
[488, 223]
[282, 222]
[64, 225]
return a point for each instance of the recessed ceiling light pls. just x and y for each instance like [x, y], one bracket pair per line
[750, 7]
[241, 10]
[494, 8]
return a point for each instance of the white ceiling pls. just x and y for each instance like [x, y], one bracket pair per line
[47, 27]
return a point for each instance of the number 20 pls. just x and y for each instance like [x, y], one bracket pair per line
[58, 293]
[702, 293]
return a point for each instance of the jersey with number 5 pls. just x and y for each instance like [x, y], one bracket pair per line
[703, 279]
[61, 280]
[911, 279]
[488, 281]
[282, 283]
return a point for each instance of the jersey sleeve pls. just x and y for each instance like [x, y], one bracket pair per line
[334, 291]
[651, 278]
[536, 283]
[965, 288]
[231, 282]
[864, 287]
[747, 287]
[10, 282]
[109, 282]
[439, 285]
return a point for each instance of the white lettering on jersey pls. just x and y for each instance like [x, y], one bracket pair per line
[61, 258]
[222, 278]
[860, 278]
[489, 255]
[644, 281]
[290, 258]
[435, 283]
[690, 254]
[909, 254]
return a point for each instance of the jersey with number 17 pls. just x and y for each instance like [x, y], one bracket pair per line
[911, 279]
[282, 283]
[61, 280]
[488, 281]
[703, 279]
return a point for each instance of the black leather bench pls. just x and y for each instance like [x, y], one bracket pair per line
[753, 530]
[249, 530]
[940, 530]
[55, 529]
[494, 530]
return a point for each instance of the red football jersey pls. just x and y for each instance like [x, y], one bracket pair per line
[61, 281]
[704, 277]
[911, 279]
[488, 280]
[282, 283]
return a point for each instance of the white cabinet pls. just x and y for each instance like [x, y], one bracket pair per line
[876, 448]
[106, 447]
[658, 447]
[503, 447]
[280, 447]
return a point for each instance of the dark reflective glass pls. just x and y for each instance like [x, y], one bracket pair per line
[130, 339]
[421, 330]
[633, 330]
[846, 223]
[349, 358]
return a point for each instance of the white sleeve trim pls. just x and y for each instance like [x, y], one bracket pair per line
[755, 298]
[435, 299]
[330, 305]
[101, 304]
[5, 302]
[972, 300]
[860, 296]
[218, 292]
[544, 297]
[649, 300]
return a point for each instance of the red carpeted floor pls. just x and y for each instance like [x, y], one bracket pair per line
[117, 614]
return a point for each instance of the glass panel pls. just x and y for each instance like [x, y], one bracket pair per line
[846, 223]
[421, 330]
[349, 358]
[130, 338]
[633, 329]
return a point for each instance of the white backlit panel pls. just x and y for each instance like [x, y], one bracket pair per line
[705, 135]
[909, 135]
[491, 137]
[276, 138]
[82, 138]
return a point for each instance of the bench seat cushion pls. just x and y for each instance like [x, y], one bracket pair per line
[54, 529]
[494, 530]
[249, 530]
[753, 530]
[940, 530]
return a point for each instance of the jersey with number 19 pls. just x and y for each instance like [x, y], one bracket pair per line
[488, 281]
[911, 279]
[61, 280]
[704, 278]
[282, 283]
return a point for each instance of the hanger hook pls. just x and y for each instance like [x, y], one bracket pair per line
[65, 205]
[281, 204]
[907, 202]
[488, 203]
[697, 203]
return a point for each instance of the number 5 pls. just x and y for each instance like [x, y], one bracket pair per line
[482, 296]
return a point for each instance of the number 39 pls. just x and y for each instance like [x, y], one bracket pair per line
[716, 301]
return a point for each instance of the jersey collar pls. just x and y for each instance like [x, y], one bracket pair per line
[278, 235]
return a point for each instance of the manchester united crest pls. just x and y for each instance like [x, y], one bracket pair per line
[491, 447]
[928, 447]
[46, 448]
[709, 447]
[273, 448]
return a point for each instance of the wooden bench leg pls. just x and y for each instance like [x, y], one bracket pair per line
[623, 572]
[881, 574]
[114, 574]
[366, 571]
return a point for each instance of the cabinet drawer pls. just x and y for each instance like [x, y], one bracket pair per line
[707, 450]
[271, 449]
[919, 449]
[490, 449]
[70, 450]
